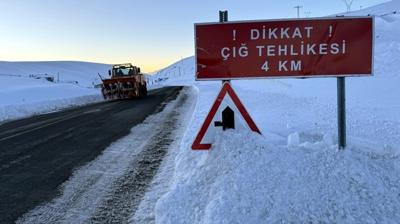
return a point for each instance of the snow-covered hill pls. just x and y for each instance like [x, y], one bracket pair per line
[179, 73]
[383, 9]
[25, 90]
[84, 73]
[294, 172]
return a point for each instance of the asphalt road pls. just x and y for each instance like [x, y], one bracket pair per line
[38, 154]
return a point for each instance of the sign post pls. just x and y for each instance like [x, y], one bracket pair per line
[291, 48]
[341, 104]
[223, 16]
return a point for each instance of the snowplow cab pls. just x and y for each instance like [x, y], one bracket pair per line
[126, 81]
[124, 70]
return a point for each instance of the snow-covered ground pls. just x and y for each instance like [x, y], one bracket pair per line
[294, 171]
[25, 91]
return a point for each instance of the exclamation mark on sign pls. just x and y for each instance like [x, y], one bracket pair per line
[330, 31]
[234, 34]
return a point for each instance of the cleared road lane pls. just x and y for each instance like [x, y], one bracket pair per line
[38, 154]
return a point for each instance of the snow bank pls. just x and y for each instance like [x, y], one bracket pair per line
[24, 94]
[294, 172]
[248, 178]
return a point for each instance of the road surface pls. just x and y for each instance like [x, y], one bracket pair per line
[40, 153]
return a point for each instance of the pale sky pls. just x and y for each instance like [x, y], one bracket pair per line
[149, 33]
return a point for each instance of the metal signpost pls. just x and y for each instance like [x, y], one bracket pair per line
[223, 16]
[291, 48]
[341, 107]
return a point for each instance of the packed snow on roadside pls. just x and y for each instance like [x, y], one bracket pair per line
[26, 91]
[294, 172]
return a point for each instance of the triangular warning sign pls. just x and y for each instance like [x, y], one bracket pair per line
[225, 93]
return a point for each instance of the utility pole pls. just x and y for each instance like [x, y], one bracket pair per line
[298, 7]
[307, 14]
[348, 4]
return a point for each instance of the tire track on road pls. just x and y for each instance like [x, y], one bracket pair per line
[131, 187]
[110, 188]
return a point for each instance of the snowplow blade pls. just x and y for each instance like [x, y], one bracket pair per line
[122, 88]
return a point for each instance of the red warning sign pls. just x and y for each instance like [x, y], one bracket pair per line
[226, 91]
[318, 47]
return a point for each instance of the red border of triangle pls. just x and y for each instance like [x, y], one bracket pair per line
[226, 89]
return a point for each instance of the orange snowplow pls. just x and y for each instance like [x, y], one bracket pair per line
[126, 82]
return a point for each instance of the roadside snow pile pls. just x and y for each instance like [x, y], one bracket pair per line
[294, 172]
[248, 178]
[24, 97]
[24, 94]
